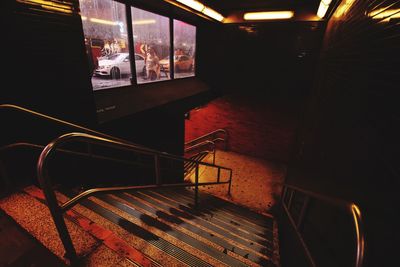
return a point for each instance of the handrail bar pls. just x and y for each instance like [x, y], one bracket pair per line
[91, 155]
[86, 130]
[85, 194]
[333, 201]
[57, 211]
[204, 143]
[350, 207]
[58, 121]
[66, 123]
[225, 132]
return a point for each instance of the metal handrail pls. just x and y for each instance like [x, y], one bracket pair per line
[57, 121]
[64, 123]
[57, 211]
[351, 208]
[76, 153]
[204, 143]
[74, 126]
[212, 135]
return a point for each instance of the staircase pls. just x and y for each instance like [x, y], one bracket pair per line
[157, 227]
[145, 218]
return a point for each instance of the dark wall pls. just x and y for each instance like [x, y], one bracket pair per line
[348, 144]
[45, 62]
[271, 59]
[264, 71]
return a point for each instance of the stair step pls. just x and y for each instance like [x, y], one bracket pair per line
[151, 238]
[210, 215]
[237, 210]
[202, 247]
[207, 208]
[207, 221]
[116, 249]
[35, 217]
[202, 228]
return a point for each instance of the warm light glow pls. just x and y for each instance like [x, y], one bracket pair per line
[355, 210]
[212, 13]
[343, 8]
[144, 21]
[102, 21]
[49, 5]
[83, 18]
[385, 14]
[268, 15]
[322, 9]
[192, 4]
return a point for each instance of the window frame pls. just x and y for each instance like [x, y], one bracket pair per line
[131, 41]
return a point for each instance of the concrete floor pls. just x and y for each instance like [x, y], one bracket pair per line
[256, 183]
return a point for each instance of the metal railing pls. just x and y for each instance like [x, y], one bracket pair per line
[351, 208]
[56, 121]
[57, 210]
[204, 147]
[213, 136]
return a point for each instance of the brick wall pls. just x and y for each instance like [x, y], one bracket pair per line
[256, 126]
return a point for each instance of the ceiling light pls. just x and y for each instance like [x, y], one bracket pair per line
[268, 15]
[192, 4]
[144, 21]
[323, 7]
[103, 21]
[212, 13]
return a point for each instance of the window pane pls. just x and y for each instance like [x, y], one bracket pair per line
[106, 40]
[185, 49]
[151, 36]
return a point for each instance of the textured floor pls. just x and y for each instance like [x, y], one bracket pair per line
[35, 218]
[256, 183]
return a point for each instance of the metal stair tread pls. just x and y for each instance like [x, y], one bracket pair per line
[177, 234]
[151, 238]
[211, 237]
[205, 213]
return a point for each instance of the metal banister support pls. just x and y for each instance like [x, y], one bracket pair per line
[52, 203]
[359, 228]
[196, 187]
[213, 135]
[351, 208]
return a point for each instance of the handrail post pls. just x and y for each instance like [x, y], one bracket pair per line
[230, 182]
[290, 199]
[218, 174]
[215, 151]
[157, 169]
[303, 212]
[89, 147]
[226, 140]
[58, 218]
[196, 186]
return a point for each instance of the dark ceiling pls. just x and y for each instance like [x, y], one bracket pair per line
[227, 7]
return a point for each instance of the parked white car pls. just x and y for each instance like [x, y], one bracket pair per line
[117, 65]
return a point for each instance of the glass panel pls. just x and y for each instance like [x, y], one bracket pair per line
[106, 40]
[185, 49]
[152, 42]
